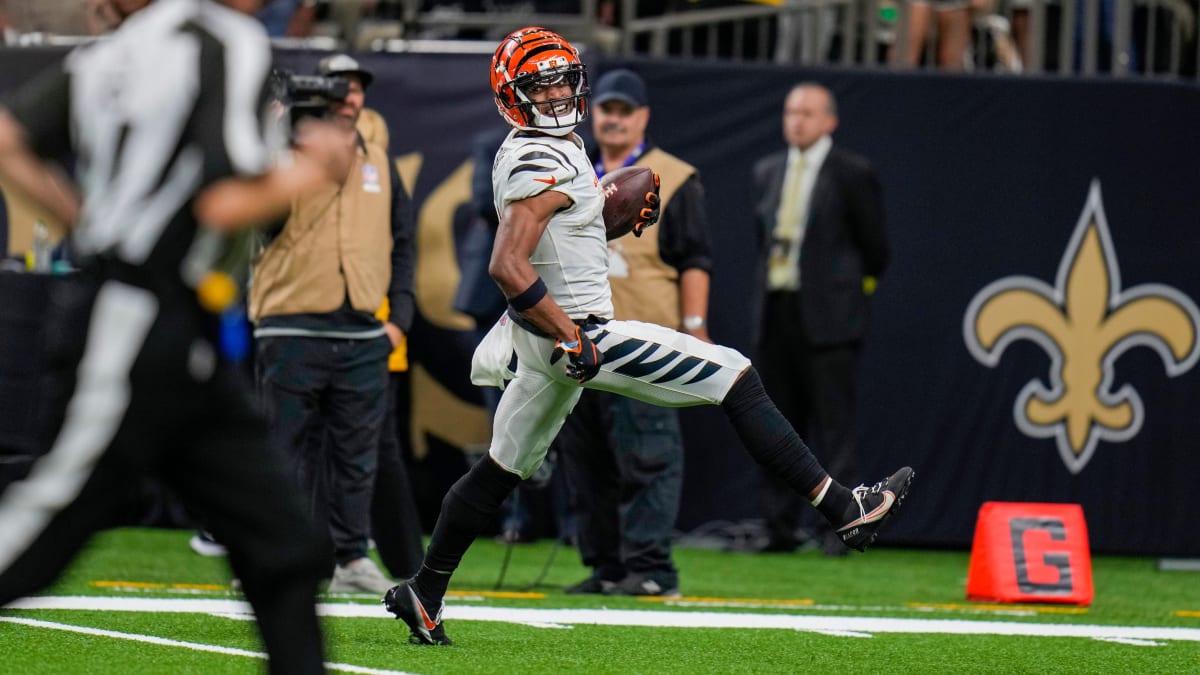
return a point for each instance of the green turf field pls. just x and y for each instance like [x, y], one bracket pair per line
[888, 610]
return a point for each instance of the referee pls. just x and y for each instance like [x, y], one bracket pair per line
[164, 122]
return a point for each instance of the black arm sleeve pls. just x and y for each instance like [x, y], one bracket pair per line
[400, 291]
[43, 108]
[683, 240]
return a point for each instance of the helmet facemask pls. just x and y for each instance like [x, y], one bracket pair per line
[542, 59]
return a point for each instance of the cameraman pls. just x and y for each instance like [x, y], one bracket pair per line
[321, 353]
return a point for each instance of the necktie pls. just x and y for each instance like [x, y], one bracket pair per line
[785, 246]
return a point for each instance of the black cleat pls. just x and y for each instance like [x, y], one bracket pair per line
[402, 601]
[592, 585]
[875, 505]
[643, 585]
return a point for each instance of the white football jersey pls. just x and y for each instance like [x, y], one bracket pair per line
[572, 255]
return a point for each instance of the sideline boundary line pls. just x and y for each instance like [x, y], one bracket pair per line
[165, 642]
[626, 617]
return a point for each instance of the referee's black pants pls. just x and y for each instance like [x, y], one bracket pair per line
[133, 388]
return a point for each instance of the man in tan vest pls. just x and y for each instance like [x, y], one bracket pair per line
[623, 457]
[322, 353]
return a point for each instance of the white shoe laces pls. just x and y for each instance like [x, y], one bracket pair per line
[857, 494]
[862, 491]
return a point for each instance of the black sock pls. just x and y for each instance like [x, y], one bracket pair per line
[773, 443]
[469, 506]
[835, 504]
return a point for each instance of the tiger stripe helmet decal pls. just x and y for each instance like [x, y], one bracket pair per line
[530, 59]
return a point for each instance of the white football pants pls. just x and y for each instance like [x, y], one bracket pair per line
[641, 360]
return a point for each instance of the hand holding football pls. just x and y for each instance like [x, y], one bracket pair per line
[625, 193]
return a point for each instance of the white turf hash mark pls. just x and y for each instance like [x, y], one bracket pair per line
[150, 639]
[568, 617]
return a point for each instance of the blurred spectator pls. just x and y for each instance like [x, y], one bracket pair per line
[348, 17]
[623, 457]
[66, 17]
[821, 236]
[277, 15]
[105, 15]
[60, 17]
[1105, 26]
[952, 20]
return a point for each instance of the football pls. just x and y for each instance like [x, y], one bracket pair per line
[624, 193]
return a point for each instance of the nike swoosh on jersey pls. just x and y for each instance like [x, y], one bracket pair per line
[888, 498]
[548, 181]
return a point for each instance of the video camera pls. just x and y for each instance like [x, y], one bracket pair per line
[306, 95]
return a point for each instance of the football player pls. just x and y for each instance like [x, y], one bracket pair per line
[551, 261]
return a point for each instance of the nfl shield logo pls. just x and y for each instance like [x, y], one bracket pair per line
[370, 178]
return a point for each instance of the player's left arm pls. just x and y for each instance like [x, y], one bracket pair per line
[521, 226]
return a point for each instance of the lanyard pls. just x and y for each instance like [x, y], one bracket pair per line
[633, 157]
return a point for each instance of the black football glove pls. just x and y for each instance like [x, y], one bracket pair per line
[649, 213]
[583, 358]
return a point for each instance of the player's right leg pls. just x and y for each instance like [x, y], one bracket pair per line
[531, 412]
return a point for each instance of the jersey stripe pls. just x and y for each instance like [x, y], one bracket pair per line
[531, 156]
[537, 168]
[542, 147]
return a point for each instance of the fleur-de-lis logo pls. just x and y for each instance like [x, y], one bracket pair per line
[1085, 323]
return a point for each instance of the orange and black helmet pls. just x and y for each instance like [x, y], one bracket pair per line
[527, 61]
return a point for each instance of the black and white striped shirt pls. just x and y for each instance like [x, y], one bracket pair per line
[170, 103]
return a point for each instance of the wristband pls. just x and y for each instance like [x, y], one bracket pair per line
[528, 297]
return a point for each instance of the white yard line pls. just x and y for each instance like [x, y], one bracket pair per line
[196, 646]
[623, 617]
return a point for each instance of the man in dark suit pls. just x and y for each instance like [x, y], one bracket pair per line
[821, 244]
